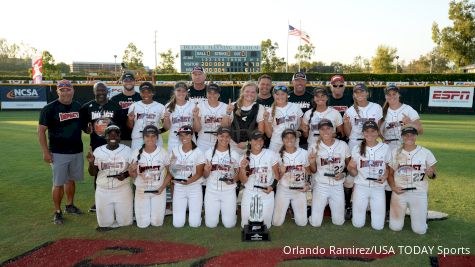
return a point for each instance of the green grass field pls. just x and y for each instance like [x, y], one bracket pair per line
[26, 207]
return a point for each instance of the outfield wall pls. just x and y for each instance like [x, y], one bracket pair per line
[415, 96]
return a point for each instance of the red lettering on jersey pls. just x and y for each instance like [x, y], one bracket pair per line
[125, 104]
[340, 108]
[68, 116]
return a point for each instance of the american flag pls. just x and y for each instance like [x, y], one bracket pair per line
[302, 34]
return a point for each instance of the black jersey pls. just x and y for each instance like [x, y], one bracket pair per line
[125, 102]
[304, 101]
[267, 102]
[340, 104]
[197, 95]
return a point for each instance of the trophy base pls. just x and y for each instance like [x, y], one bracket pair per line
[150, 191]
[260, 187]
[296, 187]
[179, 180]
[329, 175]
[225, 180]
[409, 188]
[255, 231]
[371, 179]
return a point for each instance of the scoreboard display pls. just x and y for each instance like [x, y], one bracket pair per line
[221, 58]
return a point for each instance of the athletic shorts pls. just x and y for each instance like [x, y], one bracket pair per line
[67, 167]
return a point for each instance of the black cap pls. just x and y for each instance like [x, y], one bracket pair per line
[391, 87]
[111, 128]
[320, 90]
[150, 129]
[213, 87]
[146, 86]
[289, 131]
[127, 76]
[370, 124]
[197, 68]
[222, 129]
[181, 85]
[409, 129]
[360, 86]
[299, 75]
[256, 135]
[185, 129]
[325, 122]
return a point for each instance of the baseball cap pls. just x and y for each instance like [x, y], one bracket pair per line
[289, 131]
[282, 88]
[197, 68]
[408, 128]
[180, 85]
[111, 128]
[325, 122]
[391, 87]
[127, 76]
[185, 129]
[256, 135]
[64, 84]
[370, 124]
[213, 87]
[299, 75]
[320, 90]
[361, 87]
[222, 129]
[150, 129]
[337, 78]
[146, 86]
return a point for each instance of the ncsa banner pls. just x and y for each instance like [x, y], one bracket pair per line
[451, 96]
[23, 97]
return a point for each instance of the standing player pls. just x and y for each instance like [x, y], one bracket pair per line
[197, 91]
[211, 113]
[109, 164]
[410, 164]
[301, 97]
[264, 83]
[338, 99]
[186, 166]
[320, 111]
[96, 115]
[292, 186]
[143, 113]
[280, 116]
[369, 166]
[63, 150]
[220, 171]
[125, 99]
[259, 172]
[353, 120]
[178, 112]
[328, 158]
[149, 168]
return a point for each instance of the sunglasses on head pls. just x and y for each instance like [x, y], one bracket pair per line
[280, 88]
[338, 85]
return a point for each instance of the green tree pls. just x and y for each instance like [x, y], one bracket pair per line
[133, 57]
[305, 52]
[63, 68]
[433, 62]
[167, 62]
[457, 43]
[50, 70]
[270, 61]
[382, 62]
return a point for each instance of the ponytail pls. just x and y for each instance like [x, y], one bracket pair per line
[140, 152]
[193, 145]
[363, 148]
[385, 110]
[248, 154]
[281, 151]
[172, 103]
[214, 149]
[311, 116]
[273, 107]
[355, 106]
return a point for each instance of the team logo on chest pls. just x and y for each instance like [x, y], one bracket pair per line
[68, 116]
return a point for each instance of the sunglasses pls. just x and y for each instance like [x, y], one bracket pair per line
[281, 88]
[65, 90]
[338, 85]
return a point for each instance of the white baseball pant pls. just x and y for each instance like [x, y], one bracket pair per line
[191, 197]
[267, 202]
[417, 203]
[362, 195]
[350, 180]
[220, 201]
[114, 206]
[149, 208]
[333, 195]
[297, 199]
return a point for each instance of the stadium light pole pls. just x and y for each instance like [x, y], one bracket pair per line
[155, 43]
[115, 65]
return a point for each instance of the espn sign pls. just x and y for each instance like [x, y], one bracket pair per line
[451, 96]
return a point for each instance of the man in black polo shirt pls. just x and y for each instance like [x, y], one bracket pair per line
[96, 115]
[125, 99]
[264, 84]
[197, 91]
[63, 150]
[338, 99]
[301, 97]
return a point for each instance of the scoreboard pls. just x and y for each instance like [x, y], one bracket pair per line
[221, 58]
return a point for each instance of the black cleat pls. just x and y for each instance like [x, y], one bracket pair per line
[58, 218]
[348, 213]
[71, 209]
[104, 229]
[92, 209]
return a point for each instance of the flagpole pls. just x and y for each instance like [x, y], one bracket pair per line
[300, 41]
[287, 59]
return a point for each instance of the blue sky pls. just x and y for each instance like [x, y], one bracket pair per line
[340, 30]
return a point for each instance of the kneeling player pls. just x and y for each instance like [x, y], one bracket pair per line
[410, 164]
[113, 194]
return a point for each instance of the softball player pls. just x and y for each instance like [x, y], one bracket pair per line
[292, 186]
[149, 168]
[220, 171]
[143, 113]
[329, 156]
[280, 116]
[179, 112]
[369, 167]
[113, 195]
[320, 111]
[259, 172]
[186, 167]
[210, 115]
[410, 164]
[361, 111]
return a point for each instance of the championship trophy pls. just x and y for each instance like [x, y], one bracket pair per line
[150, 175]
[297, 178]
[99, 126]
[393, 131]
[330, 170]
[227, 172]
[112, 172]
[256, 230]
[409, 174]
[180, 172]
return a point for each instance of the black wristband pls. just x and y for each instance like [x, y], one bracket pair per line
[162, 130]
[274, 184]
